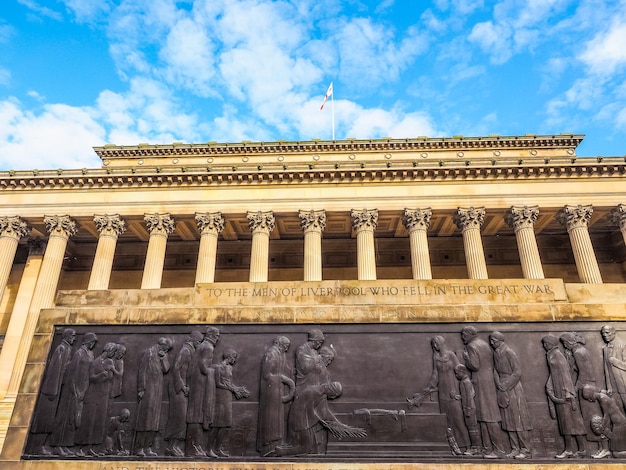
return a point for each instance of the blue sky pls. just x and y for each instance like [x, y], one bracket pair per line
[81, 73]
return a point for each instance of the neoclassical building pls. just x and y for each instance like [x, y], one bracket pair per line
[340, 235]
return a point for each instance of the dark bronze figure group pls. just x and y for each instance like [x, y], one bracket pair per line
[185, 394]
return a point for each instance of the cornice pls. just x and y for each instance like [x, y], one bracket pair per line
[112, 151]
[348, 172]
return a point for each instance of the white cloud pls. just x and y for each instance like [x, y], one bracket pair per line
[271, 59]
[606, 52]
[517, 25]
[189, 53]
[145, 113]
[56, 136]
[6, 32]
[598, 91]
[369, 54]
[5, 76]
[36, 8]
[88, 10]
[494, 38]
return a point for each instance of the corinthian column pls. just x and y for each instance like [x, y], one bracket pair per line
[618, 217]
[18, 320]
[11, 230]
[576, 220]
[60, 228]
[313, 223]
[417, 221]
[110, 228]
[469, 222]
[364, 223]
[261, 225]
[211, 225]
[159, 226]
[522, 220]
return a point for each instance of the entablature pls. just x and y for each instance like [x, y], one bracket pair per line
[421, 148]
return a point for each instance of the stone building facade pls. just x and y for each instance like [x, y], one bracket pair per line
[494, 231]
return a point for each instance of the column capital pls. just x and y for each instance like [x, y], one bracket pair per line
[364, 219]
[312, 220]
[159, 224]
[110, 224]
[414, 219]
[618, 216]
[518, 217]
[36, 246]
[60, 225]
[13, 227]
[210, 222]
[470, 217]
[261, 221]
[574, 216]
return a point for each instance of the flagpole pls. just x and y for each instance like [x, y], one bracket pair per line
[332, 108]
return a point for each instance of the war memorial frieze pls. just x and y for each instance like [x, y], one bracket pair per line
[353, 393]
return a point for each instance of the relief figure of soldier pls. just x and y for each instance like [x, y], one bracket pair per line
[153, 365]
[444, 382]
[276, 390]
[563, 401]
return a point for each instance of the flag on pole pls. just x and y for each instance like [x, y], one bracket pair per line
[328, 93]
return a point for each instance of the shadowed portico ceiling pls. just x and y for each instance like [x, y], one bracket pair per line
[338, 226]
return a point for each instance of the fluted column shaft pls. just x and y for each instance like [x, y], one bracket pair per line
[261, 225]
[110, 228]
[313, 224]
[364, 223]
[11, 230]
[60, 229]
[18, 320]
[576, 220]
[417, 221]
[522, 220]
[159, 226]
[210, 225]
[469, 222]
